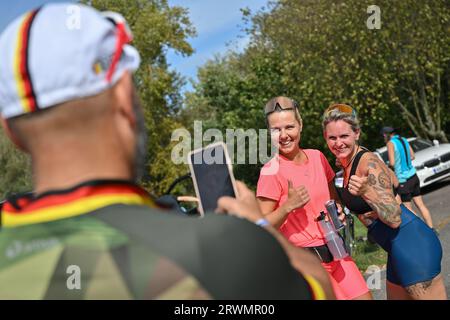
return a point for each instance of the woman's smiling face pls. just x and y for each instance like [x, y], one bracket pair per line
[285, 132]
[341, 139]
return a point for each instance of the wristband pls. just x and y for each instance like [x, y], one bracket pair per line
[262, 222]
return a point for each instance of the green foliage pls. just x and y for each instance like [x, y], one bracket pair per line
[330, 55]
[16, 171]
[316, 52]
[366, 254]
[157, 27]
[231, 92]
[320, 52]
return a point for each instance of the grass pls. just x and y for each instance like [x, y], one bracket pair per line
[366, 253]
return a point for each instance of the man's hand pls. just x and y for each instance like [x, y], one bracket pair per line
[358, 186]
[244, 206]
[297, 197]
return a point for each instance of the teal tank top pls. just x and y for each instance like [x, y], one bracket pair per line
[402, 166]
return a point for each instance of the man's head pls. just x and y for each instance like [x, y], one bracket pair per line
[66, 87]
[387, 133]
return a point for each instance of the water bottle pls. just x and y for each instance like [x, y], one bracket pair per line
[332, 211]
[334, 241]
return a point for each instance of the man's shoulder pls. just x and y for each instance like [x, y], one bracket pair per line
[135, 216]
[228, 254]
[54, 251]
[156, 226]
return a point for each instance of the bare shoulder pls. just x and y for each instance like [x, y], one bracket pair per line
[376, 170]
[370, 161]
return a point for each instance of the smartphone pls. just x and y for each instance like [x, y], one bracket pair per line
[212, 175]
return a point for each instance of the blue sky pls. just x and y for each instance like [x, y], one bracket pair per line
[218, 23]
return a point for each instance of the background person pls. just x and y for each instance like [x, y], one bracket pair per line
[292, 197]
[414, 251]
[400, 156]
[67, 98]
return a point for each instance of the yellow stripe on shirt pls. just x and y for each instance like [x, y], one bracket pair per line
[74, 208]
[316, 288]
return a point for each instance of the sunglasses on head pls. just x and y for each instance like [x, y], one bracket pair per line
[279, 105]
[342, 108]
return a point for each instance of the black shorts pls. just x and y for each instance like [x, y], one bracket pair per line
[409, 189]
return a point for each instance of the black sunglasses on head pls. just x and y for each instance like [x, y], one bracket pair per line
[277, 105]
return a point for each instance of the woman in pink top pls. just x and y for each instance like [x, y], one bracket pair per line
[292, 190]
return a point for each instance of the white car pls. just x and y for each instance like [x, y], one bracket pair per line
[432, 160]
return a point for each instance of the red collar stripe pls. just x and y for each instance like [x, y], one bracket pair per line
[80, 201]
[56, 199]
[21, 65]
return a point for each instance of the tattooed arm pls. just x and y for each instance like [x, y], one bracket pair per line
[373, 182]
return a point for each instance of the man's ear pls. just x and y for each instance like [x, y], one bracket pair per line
[123, 98]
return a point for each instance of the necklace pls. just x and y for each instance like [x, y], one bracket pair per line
[351, 160]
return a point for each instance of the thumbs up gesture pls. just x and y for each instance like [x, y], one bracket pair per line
[297, 197]
[357, 186]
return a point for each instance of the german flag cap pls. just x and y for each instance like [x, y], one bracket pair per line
[61, 52]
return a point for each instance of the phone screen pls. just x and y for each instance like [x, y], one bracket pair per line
[212, 175]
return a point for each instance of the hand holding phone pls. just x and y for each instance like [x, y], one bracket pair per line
[244, 206]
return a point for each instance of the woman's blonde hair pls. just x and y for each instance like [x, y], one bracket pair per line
[279, 104]
[340, 111]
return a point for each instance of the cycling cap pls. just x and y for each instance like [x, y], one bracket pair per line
[61, 52]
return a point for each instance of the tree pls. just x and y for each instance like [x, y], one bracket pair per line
[230, 94]
[321, 52]
[16, 169]
[157, 27]
[330, 55]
